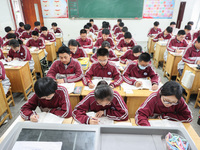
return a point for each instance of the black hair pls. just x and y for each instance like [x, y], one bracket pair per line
[86, 27]
[171, 88]
[198, 39]
[190, 22]
[188, 27]
[106, 31]
[7, 29]
[11, 36]
[35, 33]
[181, 32]
[137, 49]
[44, 28]
[103, 91]
[21, 24]
[156, 23]
[14, 43]
[37, 23]
[145, 57]
[169, 29]
[27, 26]
[54, 24]
[64, 49]
[45, 86]
[124, 29]
[102, 82]
[105, 25]
[83, 31]
[89, 24]
[119, 20]
[121, 24]
[73, 42]
[105, 44]
[172, 23]
[102, 52]
[127, 35]
[91, 20]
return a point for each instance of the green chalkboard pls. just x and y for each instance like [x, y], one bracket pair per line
[105, 8]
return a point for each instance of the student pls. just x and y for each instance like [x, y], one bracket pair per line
[131, 55]
[105, 37]
[10, 36]
[76, 50]
[174, 30]
[155, 30]
[105, 102]
[118, 29]
[121, 34]
[50, 98]
[21, 28]
[103, 68]
[4, 79]
[93, 25]
[84, 41]
[89, 34]
[19, 51]
[191, 55]
[90, 28]
[141, 69]
[165, 35]
[196, 35]
[36, 41]
[115, 26]
[112, 56]
[9, 30]
[1, 54]
[126, 43]
[55, 28]
[37, 27]
[27, 33]
[47, 36]
[166, 103]
[66, 69]
[188, 36]
[105, 25]
[191, 23]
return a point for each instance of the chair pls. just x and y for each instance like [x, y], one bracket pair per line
[34, 76]
[9, 97]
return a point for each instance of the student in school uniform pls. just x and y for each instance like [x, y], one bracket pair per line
[36, 41]
[121, 34]
[175, 30]
[105, 37]
[112, 55]
[1, 41]
[76, 50]
[165, 35]
[50, 98]
[102, 68]
[1, 54]
[4, 79]
[188, 36]
[191, 23]
[141, 69]
[155, 30]
[191, 55]
[94, 26]
[118, 29]
[105, 102]
[9, 30]
[19, 51]
[37, 27]
[126, 43]
[115, 26]
[196, 35]
[166, 103]
[66, 69]
[131, 55]
[84, 41]
[89, 34]
[46, 35]
[91, 29]
[105, 25]
[55, 28]
[27, 33]
[21, 28]
[10, 36]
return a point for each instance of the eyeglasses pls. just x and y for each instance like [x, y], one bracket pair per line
[170, 103]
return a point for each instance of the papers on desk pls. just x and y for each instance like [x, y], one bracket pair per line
[96, 80]
[188, 79]
[13, 63]
[192, 65]
[69, 86]
[32, 49]
[58, 34]
[163, 43]
[33, 145]
[49, 118]
[165, 123]
[87, 50]
[117, 63]
[176, 54]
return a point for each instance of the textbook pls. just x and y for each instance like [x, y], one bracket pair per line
[69, 86]
[49, 118]
[165, 123]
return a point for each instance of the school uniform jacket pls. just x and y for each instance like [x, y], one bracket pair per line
[6, 43]
[92, 30]
[115, 26]
[109, 70]
[188, 37]
[100, 41]
[112, 56]
[173, 43]
[87, 43]
[5, 81]
[191, 55]
[80, 52]
[161, 35]
[196, 34]
[20, 30]
[73, 71]
[50, 37]
[38, 43]
[1, 41]
[119, 36]
[122, 44]
[154, 106]
[16, 33]
[25, 35]
[132, 70]
[116, 31]
[153, 31]
[59, 104]
[95, 27]
[58, 30]
[1, 54]
[116, 110]
[36, 29]
[100, 34]
[127, 56]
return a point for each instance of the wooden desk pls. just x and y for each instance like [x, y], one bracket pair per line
[150, 45]
[115, 122]
[196, 83]
[59, 41]
[5, 53]
[171, 65]
[118, 53]
[51, 50]
[159, 54]
[21, 79]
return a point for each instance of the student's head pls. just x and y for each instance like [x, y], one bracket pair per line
[27, 27]
[21, 25]
[144, 60]
[45, 88]
[105, 44]
[105, 25]
[187, 29]
[73, 45]
[44, 30]
[173, 24]
[124, 30]
[64, 54]
[118, 21]
[156, 24]
[91, 21]
[87, 28]
[137, 50]
[54, 25]
[8, 29]
[105, 34]
[170, 93]
[103, 93]
[168, 30]
[127, 37]
[197, 43]
[121, 25]
[102, 56]
[89, 24]
[83, 34]
[37, 25]
[181, 35]
[35, 35]
[191, 23]
[11, 36]
[14, 44]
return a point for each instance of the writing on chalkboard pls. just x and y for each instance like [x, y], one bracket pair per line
[73, 8]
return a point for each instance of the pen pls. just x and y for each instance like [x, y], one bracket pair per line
[34, 113]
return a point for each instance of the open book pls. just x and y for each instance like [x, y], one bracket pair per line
[87, 50]
[13, 63]
[69, 86]
[165, 123]
[32, 49]
[49, 118]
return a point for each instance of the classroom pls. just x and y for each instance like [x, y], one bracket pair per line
[98, 75]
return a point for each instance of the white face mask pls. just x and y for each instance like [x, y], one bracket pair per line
[142, 67]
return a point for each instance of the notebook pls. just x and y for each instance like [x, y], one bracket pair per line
[165, 123]
[49, 118]
[69, 86]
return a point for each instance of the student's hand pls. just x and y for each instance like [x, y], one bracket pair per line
[160, 39]
[37, 49]
[5, 47]
[127, 62]
[124, 49]
[91, 85]
[154, 87]
[9, 59]
[34, 118]
[138, 84]
[178, 51]
[198, 62]
[94, 121]
[45, 109]
[23, 40]
[59, 81]
[99, 114]
[112, 86]
[16, 59]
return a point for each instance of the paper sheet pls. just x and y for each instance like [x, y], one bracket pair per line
[165, 123]
[87, 50]
[32, 49]
[49, 118]
[192, 65]
[13, 63]
[69, 86]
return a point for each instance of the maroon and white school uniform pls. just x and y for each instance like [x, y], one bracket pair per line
[122, 44]
[196, 35]
[115, 26]
[58, 30]
[119, 36]
[100, 41]
[87, 43]
[188, 37]
[4, 79]
[112, 56]
[20, 30]
[127, 56]
[80, 52]
[38, 30]
[95, 27]
[100, 34]
[39, 43]
[26, 35]
[50, 37]
[1, 54]
[153, 31]
[116, 31]
[161, 35]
